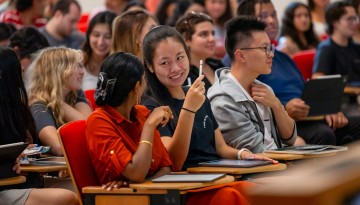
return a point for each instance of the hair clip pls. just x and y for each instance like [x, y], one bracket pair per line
[104, 91]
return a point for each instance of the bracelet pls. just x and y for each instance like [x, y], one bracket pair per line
[146, 142]
[188, 110]
[240, 151]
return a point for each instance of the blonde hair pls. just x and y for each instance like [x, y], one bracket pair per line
[126, 29]
[47, 76]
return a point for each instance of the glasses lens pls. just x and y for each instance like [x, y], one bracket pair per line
[270, 49]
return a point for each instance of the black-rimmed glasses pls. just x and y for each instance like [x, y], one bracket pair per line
[269, 49]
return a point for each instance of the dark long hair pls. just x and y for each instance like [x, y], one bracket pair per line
[105, 17]
[288, 27]
[181, 7]
[127, 70]
[227, 14]
[161, 14]
[15, 118]
[155, 90]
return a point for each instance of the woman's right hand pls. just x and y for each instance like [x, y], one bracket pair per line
[159, 116]
[115, 185]
[195, 97]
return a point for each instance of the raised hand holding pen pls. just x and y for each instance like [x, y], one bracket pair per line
[195, 97]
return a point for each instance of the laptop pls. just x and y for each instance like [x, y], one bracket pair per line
[8, 155]
[324, 94]
[235, 163]
[189, 178]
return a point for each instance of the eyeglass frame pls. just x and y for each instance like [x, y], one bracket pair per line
[269, 49]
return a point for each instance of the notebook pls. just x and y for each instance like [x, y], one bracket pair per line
[48, 161]
[8, 155]
[235, 163]
[171, 178]
[308, 149]
[324, 94]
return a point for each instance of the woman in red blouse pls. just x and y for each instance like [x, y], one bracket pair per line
[123, 140]
[122, 132]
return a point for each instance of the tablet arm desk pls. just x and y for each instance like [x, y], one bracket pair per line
[146, 193]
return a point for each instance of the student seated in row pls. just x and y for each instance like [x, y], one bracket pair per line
[192, 136]
[287, 83]
[55, 96]
[122, 136]
[17, 125]
[248, 112]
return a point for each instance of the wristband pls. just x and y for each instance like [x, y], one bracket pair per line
[188, 110]
[240, 151]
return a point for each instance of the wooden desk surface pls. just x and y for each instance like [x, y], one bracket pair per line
[124, 190]
[237, 171]
[12, 180]
[316, 182]
[42, 168]
[290, 157]
[352, 90]
[149, 187]
[180, 186]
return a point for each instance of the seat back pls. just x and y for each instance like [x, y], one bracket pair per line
[304, 61]
[73, 141]
[83, 22]
[89, 94]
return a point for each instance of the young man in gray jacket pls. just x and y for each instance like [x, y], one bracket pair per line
[249, 114]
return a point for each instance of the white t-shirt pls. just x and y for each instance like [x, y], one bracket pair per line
[89, 81]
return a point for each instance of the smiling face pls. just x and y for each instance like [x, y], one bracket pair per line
[74, 82]
[100, 40]
[202, 42]
[170, 63]
[301, 19]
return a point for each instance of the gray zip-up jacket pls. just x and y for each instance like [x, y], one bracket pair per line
[238, 118]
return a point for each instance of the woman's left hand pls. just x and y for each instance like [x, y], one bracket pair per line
[251, 156]
[115, 185]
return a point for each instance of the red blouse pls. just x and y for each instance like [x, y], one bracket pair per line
[112, 140]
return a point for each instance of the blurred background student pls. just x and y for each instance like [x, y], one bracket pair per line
[317, 8]
[6, 31]
[165, 10]
[129, 30]
[220, 12]
[26, 42]
[183, 7]
[96, 47]
[296, 33]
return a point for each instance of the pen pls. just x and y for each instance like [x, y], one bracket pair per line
[189, 81]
